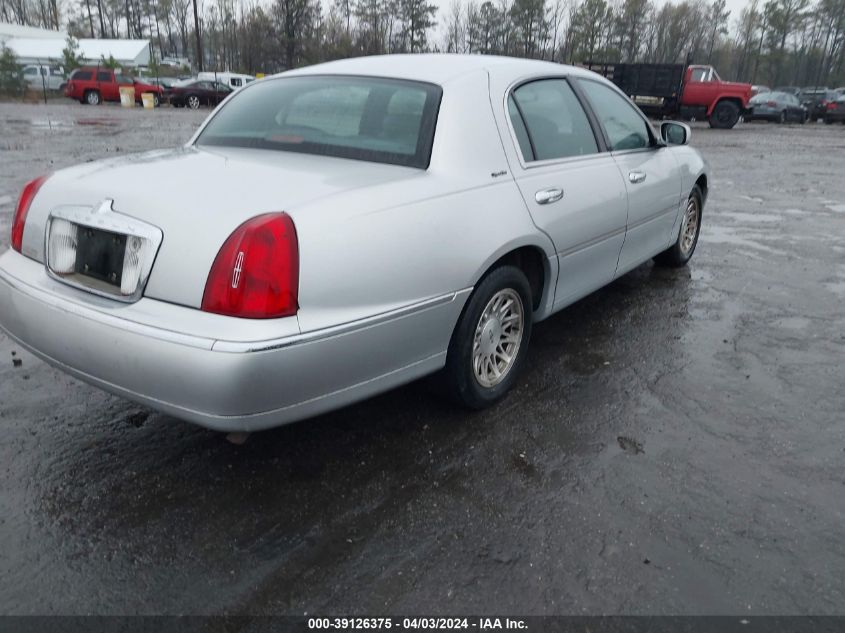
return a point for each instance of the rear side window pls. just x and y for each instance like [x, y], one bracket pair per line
[622, 122]
[363, 118]
[81, 75]
[548, 118]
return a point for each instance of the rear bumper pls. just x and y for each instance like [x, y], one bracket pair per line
[218, 382]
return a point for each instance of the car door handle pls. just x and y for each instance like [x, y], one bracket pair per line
[636, 177]
[545, 196]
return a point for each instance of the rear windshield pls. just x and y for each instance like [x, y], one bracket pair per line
[364, 118]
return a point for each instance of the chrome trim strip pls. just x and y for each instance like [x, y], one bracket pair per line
[75, 309]
[218, 345]
[239, 347]
[652, 217]
[596, 240]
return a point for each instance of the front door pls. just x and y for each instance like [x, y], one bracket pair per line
[649, 170]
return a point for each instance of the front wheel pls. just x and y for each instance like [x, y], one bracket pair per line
[489, 343]
[782, 118]
[193, 102]
[681, 251]
[725, 115]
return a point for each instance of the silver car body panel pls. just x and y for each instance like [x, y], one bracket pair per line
[388, 255]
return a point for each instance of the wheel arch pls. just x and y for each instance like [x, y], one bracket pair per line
[539, 267]
[737, 101]
[701, 182]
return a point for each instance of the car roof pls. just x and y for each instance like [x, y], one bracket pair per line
[438, 68]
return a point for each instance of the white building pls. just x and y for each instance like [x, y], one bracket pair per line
[33, 46]
[14, 31]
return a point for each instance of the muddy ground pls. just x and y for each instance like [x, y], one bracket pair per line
[676, 444]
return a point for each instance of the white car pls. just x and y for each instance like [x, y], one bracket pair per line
[39, 77]
[335, 231]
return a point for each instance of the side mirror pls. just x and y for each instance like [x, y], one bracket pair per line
[675, 133]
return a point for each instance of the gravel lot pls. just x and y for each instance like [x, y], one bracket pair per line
[676, 444]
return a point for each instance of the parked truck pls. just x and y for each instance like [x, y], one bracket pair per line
[680, 90]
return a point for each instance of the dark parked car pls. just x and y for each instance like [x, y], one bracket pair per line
[777, 106]
[835, 111]
[194, 94]
[816, 100]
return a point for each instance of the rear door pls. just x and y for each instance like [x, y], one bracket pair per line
[571, 187]
[650, 172]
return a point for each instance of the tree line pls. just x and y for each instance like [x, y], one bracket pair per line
[798, 42]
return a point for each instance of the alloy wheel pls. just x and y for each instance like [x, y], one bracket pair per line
[498, 336]
[689, 228]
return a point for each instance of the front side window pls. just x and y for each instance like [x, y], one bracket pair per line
[549, 121]
[622, 122]
[364, 118]
[700, 74]
[30, 71]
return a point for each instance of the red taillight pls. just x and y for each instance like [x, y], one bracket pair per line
[772, 104]
[24, 202]
[256, 273]
[831, 105]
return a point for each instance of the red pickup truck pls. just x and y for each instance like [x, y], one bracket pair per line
[689, 92]
[93, 85]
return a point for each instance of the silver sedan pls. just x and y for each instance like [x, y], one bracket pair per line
[335, 231]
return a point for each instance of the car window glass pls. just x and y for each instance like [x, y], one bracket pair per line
[556, 124]
[519, 130]
[103, 76]
[625, 127]
[236, 81]
[29, 71]
[122, 79]
[699, 74]
[365, 118]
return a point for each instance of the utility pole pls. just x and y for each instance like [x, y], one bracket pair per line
[199, 41]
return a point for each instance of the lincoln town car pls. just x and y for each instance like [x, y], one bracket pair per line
[335, 231]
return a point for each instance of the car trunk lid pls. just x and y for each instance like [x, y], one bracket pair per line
[197, 198]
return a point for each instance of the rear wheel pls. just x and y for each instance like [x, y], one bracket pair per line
[92, 97]
[724, 115]
[489, 343]
[782, 117]
[681, 251]
[193, 102]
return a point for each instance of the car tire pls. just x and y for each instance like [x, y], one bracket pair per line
[156, 101]
[725, 115]
[677, 255]
[193, 102]
[92, 97]
[828, 121]
[782, 117]
[490, 341]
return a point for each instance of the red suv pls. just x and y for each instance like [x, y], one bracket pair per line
[93, 85]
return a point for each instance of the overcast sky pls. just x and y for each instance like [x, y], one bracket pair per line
[734, 6]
